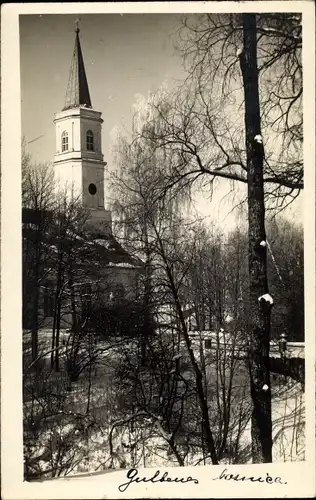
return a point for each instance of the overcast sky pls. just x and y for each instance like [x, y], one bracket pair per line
[125, 56]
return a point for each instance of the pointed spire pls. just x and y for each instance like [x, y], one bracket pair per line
[77, 93]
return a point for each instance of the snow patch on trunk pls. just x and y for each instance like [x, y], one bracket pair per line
[266, 298]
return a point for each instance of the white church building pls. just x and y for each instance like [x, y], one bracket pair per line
[78, 161]
[79, 169]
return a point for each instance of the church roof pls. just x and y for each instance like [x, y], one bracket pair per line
[77, 93]
[112, 254]
[96, 247]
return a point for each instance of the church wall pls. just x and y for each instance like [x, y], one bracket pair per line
[111, 283]
[69, 178]
[71, 125]
[92, 174]
[75, 144]
[77, 168]
[101, 221]
[95, 127]
[116, 276]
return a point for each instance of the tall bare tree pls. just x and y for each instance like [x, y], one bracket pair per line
[203, 136]
[156, 224]
[38, 201]
[260, 301]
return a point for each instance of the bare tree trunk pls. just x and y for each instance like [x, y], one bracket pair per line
[260, 311]
[147, 296]
[206, 424]
[57, 312]
[74, 317]
[197, 316]
[203, 314]
[36, 296]
[147, 308]
[90, 376]
[35, 316]
[58, 333]
[210, 313]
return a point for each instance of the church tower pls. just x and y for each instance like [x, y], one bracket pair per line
[78, 161]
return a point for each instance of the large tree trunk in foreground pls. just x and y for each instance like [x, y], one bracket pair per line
[260, 311]
[35, 305]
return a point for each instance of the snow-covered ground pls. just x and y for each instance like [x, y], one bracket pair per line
[288, 423]
[144, 444]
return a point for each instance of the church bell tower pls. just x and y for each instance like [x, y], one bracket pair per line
[78, 161]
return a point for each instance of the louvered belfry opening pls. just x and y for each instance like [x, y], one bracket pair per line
[77, 93]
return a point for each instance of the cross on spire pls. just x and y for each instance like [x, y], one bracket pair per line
[77, 93]
[76, 21]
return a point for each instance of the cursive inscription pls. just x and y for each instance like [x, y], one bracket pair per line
[226, 476]
[133, 477]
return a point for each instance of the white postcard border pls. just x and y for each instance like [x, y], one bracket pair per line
[299, 477]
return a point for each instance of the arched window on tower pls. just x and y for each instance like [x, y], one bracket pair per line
[64, 141]
[90, 143]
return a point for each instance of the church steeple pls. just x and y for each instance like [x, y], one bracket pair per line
[78, 162]
[77, 93]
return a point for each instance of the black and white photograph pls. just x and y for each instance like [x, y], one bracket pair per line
[165, 303]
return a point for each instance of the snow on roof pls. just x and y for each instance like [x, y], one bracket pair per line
[113, 251]
[120, 264]
[74, 235]
[104, 243]
[105, 247]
